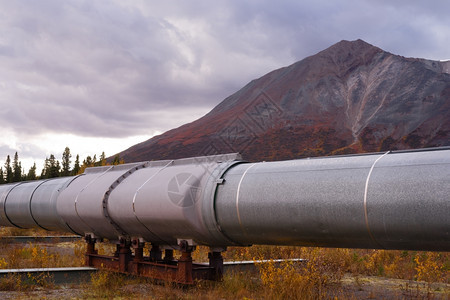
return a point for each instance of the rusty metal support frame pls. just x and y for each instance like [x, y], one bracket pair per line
[182, 271]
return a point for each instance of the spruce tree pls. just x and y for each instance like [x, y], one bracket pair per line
[17, 168]
[65, 170]
[76, 167]
[8, 170]
[54, 167]
[2, 178]
[32, 173]
[88, 162]
[46, 170]
[116, 160]
[102, 161]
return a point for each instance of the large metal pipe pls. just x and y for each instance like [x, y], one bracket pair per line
[395, 200]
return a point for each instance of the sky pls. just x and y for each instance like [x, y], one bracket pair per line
[103, 75]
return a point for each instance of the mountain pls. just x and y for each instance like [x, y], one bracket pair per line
[352, 97]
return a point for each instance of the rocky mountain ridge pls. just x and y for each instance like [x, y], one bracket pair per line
[352, 97]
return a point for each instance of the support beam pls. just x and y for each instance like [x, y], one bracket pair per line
[155, 253]
[183, 270]
[216, 262]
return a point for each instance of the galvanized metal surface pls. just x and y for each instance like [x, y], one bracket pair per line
[5, 190]
[384, 200]
[393, 201]
[43, 203]
[32, 204]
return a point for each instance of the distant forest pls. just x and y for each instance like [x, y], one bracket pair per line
[12, 171]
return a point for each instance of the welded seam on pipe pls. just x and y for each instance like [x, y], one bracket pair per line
[31, 199]
[105, 200]
[366, 216]
[4, 204]
[85, 187]
[237, 196]
[138, 190]
[142, 185]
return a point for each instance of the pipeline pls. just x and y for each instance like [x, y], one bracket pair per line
[393, 200]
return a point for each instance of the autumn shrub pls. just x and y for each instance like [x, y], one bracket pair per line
[30, 256]
[305, 280]
[432, 267]
[409, 265]
[104, 284]
[236, 285]
[3, 263]
[11, 282]
[30, 281]
[43, 280]
[40, 256]
[319, 276]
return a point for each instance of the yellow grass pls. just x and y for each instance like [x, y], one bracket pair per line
[324, 275]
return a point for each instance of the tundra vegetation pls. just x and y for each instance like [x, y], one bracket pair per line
[325, 274]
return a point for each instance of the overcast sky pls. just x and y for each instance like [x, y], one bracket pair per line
[104, 75]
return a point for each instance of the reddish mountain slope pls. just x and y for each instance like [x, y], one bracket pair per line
[351, 97]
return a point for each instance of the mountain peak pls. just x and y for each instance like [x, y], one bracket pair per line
[351, 97]
[351, 46]
[355, 43]
[349, 53]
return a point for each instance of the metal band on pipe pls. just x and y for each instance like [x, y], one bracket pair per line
[4, 204]
[237, 196]
[31, 198]
[85, 187]
[366, 217]
[137, 192]
[118, 181]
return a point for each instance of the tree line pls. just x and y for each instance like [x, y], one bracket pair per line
[12, 170]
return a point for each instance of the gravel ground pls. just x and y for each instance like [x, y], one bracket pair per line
[352, 287]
